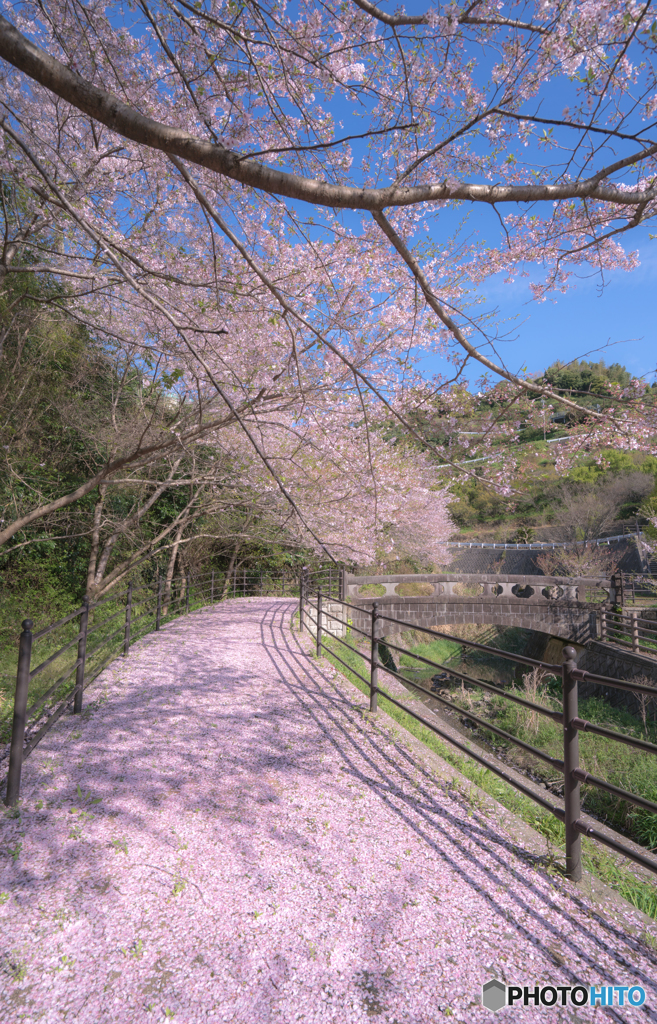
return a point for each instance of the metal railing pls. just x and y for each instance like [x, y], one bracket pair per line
[138, 606]
[636, 588]
[629, 629]
[322, 604]
[318, 605]
[542, 545]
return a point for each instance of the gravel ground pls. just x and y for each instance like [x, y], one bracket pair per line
[225, 835]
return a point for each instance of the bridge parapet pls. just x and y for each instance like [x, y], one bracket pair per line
[560, 606]
[485, 587]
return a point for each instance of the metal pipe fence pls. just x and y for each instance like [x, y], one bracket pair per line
[322, 607]
[318, 608]
[629, 629]
[138, 606]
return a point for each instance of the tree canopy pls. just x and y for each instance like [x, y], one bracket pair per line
[271, 205]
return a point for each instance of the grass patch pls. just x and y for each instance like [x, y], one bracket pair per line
[414, 588]
[622, 766]
[371, 590]
[595, 859]
[438, 650]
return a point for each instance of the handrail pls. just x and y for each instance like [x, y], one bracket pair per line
[613, 844]
[554, 762]
[556, 716]
[48, 661]
[60, 622]
[547, 804]
[620, 684]
[593, 780]
[319, 615]
[630, 741]
[540, 545]
[106, 640]
[53, 689]
[533, 662]
[99, 625]
[148, 599]
[313, 610]
[342, 662]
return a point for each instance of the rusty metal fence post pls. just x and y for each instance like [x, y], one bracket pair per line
[302, 596]
[20, 715]
[187, 595]
[374, 654]
[571, 790]
[128, 616]
[158, 613]
[82, 657]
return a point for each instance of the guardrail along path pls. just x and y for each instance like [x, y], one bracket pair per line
[226, 835]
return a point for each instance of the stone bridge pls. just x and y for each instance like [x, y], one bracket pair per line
[563, 607]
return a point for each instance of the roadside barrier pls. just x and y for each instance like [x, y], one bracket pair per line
[147, 605]
[323, 609]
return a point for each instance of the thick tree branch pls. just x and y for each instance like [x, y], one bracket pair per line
[397, 20]
[109, 110]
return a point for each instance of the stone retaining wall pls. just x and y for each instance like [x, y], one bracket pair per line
[570, 620]
[609, 660]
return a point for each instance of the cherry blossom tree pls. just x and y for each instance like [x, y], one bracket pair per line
[275, 202]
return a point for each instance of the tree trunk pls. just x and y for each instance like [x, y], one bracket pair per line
[229, 570]
[171, 566]
[95, 543]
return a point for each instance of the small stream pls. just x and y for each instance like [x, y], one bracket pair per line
[458, 720]
[489, 667]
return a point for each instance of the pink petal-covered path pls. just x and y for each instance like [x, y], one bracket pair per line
[225, 835]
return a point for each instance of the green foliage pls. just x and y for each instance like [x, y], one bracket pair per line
[612, 463]
[586, 377]
[438, 650]
[615, 762]
[475, 502]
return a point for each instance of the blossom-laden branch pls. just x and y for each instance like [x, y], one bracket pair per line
[122, 118]
[252, 289]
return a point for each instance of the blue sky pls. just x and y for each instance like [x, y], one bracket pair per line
[617, 323]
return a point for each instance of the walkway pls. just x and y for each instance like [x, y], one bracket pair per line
[226, 836]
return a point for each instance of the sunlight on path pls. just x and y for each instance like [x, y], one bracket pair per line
[225, 836]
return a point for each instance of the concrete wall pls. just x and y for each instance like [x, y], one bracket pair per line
[473, 560]
[609, 660]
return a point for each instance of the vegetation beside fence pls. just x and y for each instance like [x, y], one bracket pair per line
[620, 765]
